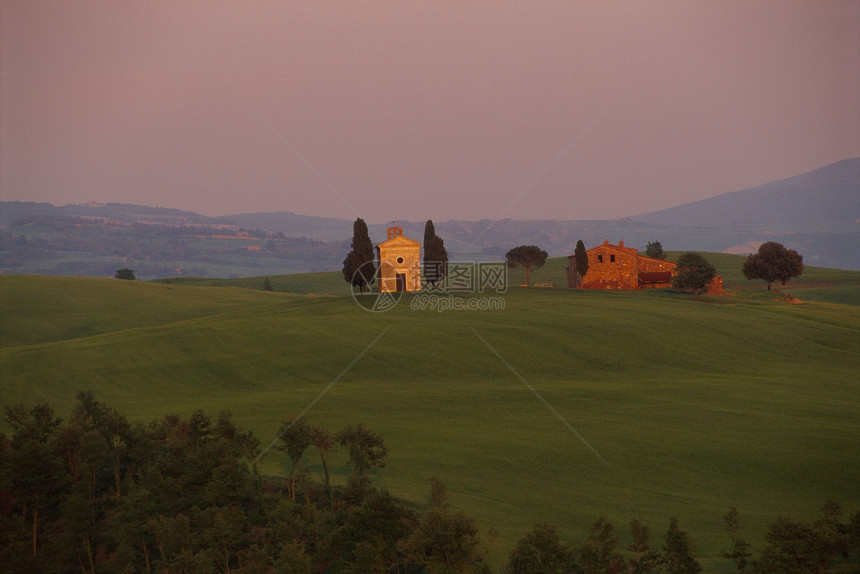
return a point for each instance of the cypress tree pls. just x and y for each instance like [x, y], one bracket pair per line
[429, 234]
[581, 257]
[435, 255]
[358, 268]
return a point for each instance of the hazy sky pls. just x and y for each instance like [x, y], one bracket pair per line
[460, 109]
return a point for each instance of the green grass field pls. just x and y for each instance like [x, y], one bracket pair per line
[670, 406]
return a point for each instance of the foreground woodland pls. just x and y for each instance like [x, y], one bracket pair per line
[97, 493]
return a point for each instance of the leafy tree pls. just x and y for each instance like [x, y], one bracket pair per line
[99, 421]
[444, 541]
[36, 478]
[644, 557]
[31, 472]
[773, 262]
[172, 535]
[836, 536]
[36, 423]
[324, 442]
[739, 553]
[297, 524]
[435, 255]
[529, 257]
[581, 260]
[598, 552]
[368, 538]
[297, 436]
[221, 531]
[79, 534]
[126, 273]
[694, 272]
[541, 551]
[366, 449]
[358, 268]
[439, 497]
[853, 531]
[655, 249]
[267, 285]
[677, 552]
[798, 546]
[293, 559]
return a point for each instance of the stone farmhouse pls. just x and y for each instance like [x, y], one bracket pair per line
[399, 263]
[619, 267]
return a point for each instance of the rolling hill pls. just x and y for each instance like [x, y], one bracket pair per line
[692, 407]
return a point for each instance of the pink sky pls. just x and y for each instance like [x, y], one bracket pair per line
[556, 109]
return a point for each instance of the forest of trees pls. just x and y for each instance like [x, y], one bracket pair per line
[98, 493]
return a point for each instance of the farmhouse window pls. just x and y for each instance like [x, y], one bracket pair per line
[612, 258]
[600, 258]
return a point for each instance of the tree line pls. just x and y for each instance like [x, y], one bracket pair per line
[98, 493]
[772, 262]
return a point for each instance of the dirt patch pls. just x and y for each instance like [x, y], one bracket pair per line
[788, 298]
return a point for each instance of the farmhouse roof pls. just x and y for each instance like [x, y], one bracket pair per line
[606, 246]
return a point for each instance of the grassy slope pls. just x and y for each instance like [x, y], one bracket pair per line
[694, 407]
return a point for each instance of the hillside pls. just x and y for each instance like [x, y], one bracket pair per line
[694, 407]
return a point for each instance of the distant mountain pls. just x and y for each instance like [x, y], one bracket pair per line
[816, 213]
[294, 225]
[830, 195]
[11, 211]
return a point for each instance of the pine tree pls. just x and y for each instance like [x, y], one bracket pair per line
[598, 552]
[644, 557]
[677, 555]
[126, 273]
[529, 257]
[655, 249]
[739, 553]
[542, 551]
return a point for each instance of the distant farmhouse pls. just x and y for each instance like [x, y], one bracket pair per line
[399, 263]
[618, 267]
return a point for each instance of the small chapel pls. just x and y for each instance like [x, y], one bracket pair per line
[399, 263]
